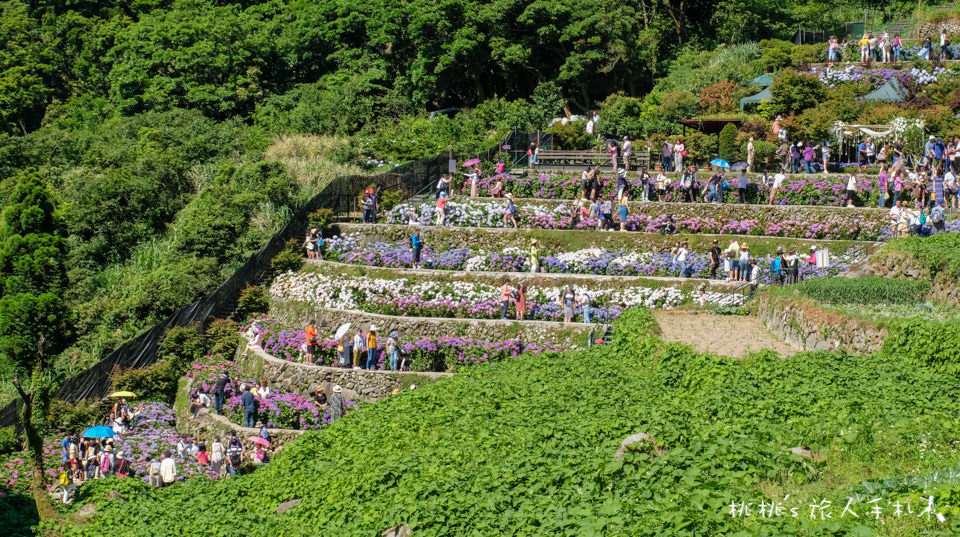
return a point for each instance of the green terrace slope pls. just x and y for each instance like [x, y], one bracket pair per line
[526, 447]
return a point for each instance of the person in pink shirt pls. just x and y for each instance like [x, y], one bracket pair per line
[504, 298]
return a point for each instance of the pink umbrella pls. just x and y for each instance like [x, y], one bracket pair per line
[471, 162]
[259, 440]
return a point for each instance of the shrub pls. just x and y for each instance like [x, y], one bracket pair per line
[620, 116]
[253, 300]
[389, 199]
[185, 341]
[775, 54]
[73, 416]
[287, 261]
[321, 218]
[156, 382]
[8, 440]
[868, 290]
[727, 149]
[222, 337]
[804, 54]
[719, 97]
[796, 91]
[571, 136]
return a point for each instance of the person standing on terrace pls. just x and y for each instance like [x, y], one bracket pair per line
[679, 151]
[569, 299]
[442, 209]
[864, 45]
[372, 347]
[504, 298]
[535, 255]
[897, 47]
[585, 178]
[310, 336]
[510, 213]
[417, 246]
[627, 149]
[714, 254]
[809, 150]
[689, 184]
[338, 407]
[474, 178]
[520, 301]
[883, 183]
[667, 153]
[359, 345]
[623, 210]
[778, 180]
[532, 153]
[851, 189]
[742, 183]
[833, 51]
[950, 189]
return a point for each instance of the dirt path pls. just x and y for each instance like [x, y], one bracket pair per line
[728, 335]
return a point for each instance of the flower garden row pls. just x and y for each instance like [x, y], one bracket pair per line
[279, 409]
[597, 261]
[475, 213]
[422, 354]
[464, 300]
[878, 76]
[152, 433]
[819, 190]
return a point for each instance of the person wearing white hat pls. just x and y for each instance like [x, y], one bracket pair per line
[393, 350]
[337, 407]
[510, 212]
[372, 347]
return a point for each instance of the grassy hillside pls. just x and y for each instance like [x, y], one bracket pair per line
[526, 447]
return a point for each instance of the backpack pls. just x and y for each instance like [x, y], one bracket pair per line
[937, 215]
[105, 463]
[235, 457]
[775, 266]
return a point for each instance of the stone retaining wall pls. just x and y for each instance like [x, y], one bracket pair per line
[328, 320]
[904, 265]
[359, 384]
[801, 323]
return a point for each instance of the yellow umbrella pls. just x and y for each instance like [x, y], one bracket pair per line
[127, 395]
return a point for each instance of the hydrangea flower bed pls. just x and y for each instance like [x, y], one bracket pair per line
[587, 261]
[152, 434]
[423, 354]
[878, 76]
[283, 410]
[814, 189]
[472, 213]
[469, 300]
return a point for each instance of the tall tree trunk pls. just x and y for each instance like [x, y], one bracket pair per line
[34, 440]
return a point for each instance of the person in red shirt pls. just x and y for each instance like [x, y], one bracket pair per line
[441, 209]
[311, 334]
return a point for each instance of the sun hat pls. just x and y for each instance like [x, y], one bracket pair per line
[394, 334]
[373, 328]
[337, 389]
[814, 247]
[119, 454]
[509, 195]
[259, 424]
[744, 246]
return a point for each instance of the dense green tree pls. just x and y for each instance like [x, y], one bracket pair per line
[796, 92]
[32, 313]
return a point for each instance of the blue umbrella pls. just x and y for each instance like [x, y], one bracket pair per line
[100, 431]
[720, 163]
